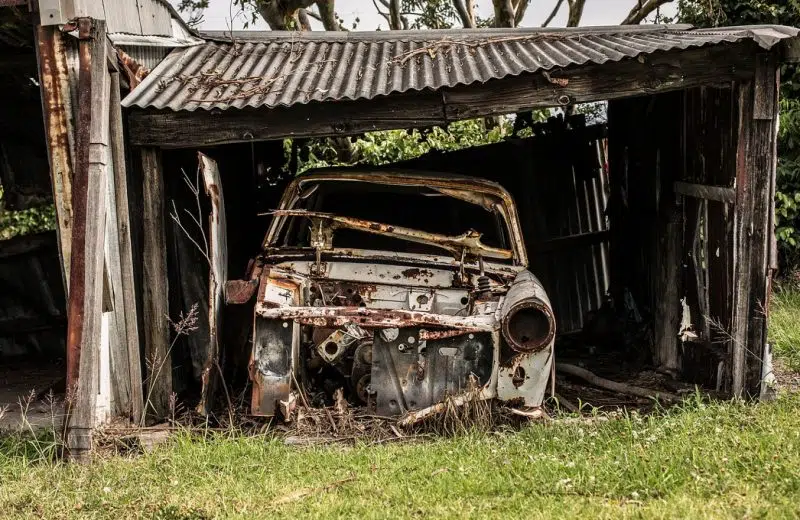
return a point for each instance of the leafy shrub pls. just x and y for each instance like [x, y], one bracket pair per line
[24, 222]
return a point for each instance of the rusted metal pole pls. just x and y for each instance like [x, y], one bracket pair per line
[56, 109]
[77, 273]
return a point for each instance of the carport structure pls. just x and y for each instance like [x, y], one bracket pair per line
[686, 226]
[692, 125]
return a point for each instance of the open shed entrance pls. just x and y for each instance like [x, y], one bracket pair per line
[32, 299]
[651, 234]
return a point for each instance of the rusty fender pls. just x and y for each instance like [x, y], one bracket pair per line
[376, 318]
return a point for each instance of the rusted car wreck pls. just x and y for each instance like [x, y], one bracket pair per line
[403, 312]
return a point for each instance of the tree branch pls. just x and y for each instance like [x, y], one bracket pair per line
[385, 15]
[303, 21]
[519, 11]
[642, 10]
[553, 13]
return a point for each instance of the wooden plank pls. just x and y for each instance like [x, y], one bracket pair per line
[118, 381]
[201, 128]
[218, 274]
[659, 73]
[156, 302]
[57, 109]
[706, 192]
[126, 286]
[654, 74]
[763, 160]
[85, 305]
[764, 93]
[665, 130]
[755, 173]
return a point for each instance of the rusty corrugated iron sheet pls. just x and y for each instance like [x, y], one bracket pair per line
[270, 69]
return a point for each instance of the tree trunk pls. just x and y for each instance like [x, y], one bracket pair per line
[575, 12]
[465, 13]
[327, 15]
[504, 13]
[395, 23]
[642, 10]
[280, 15]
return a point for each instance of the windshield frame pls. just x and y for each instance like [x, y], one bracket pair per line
[504, 203]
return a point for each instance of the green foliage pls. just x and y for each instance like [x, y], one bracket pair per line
[377, 148]
[709, 13]
[31, 220]
[784, 327]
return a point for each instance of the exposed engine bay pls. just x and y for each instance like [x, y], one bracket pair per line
[397, 330]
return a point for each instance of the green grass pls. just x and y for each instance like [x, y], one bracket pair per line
[723, 460]
[699, 460]
[784, 326]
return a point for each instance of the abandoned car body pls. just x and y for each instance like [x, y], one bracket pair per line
[402, 288]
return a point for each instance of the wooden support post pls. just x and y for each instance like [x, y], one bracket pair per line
[156, 302]
[85, 302]
[667, 292]
[754, 179]
[126, 371]
[57, 110]
[668, 249]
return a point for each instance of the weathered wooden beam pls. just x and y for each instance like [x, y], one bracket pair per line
[660, 72]
[755, 174]
[667, 272]
[218, 274]
[57, 110]
[156, 302]
[706, 192]
[85, 302]
[127, 284]
[647, 75]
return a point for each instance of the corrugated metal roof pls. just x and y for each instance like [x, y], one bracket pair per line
[270, 69]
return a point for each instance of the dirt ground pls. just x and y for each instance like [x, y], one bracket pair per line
[21, 382]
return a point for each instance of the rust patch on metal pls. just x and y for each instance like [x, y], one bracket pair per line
[54, 78]
[371, 318]
[134, 71]
[430, 335]
[238, 292]
[469, 242]
[417, 273]
[80, 185]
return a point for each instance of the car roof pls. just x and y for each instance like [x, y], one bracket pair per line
[401, 176]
